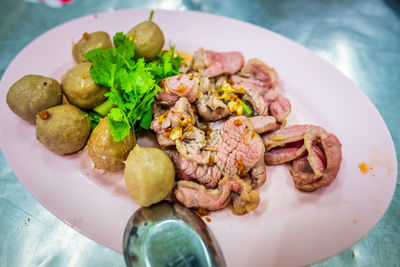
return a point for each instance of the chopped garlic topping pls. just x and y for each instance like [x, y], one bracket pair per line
[185, 121]
[276, 138]
[228, 91]
[176, 133]
[235, 105]
[162, 117]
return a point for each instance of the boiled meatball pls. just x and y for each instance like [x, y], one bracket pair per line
[33, 93]
[149, 175]
[106, 153]
[148, 39]
[90, 41]
[63, 129]
[80, 89]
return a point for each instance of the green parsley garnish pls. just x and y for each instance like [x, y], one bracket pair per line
[133, 83]
[246, 108]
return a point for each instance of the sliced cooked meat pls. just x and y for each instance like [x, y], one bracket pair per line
[241, 147]
[191, 144]
[315, 157]
[213, 64]
[316, 154]
[263, 124]
[193, 195]
[211, 108]
[234, 151]
[325, 167]
[254, 92]
[249, 83]
[200, 60]
[271, 96]
[207, 175]
[259, 82]
[258, 174]
[183, 85]
[280, 108]
[167, 124]
[248, 199]
[301, 172]
[285, 136]
[284, 154]
[258, 70]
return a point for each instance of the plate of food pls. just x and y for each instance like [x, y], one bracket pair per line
[287, 161]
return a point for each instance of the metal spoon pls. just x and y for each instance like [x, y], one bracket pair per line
[169, 234]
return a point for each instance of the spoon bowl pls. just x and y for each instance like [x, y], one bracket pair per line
[169, 234]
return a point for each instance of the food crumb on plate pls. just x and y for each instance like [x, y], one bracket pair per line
[364, 167]
[202, 212]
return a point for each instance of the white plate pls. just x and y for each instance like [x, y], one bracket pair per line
[289, 227]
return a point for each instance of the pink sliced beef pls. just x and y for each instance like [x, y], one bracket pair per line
[315, 154]
[194, 195]
[213, 63]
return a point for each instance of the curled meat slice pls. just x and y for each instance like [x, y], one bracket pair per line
[211, 108]
[213, 64]
[316, 154]
[194, 195]
[183, 85]
[285, 135]
[259, 82]
[324, 158]
[285, 144]
[258, 70]
[263, 124]
[301, 172]
[280, 108]
[254, 92]
[284, 154]
[173, 121]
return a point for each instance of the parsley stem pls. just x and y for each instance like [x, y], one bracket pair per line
[104, 108]
[151, 15]
[246, 108]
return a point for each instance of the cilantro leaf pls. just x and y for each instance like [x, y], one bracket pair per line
[133, 84]
[146, 119]
[119, 125]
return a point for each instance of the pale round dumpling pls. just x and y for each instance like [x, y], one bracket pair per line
[149, 175]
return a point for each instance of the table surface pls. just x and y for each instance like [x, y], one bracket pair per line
[369, 32]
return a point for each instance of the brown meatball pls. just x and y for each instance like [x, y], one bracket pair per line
[33, 93]
[148, 39]
[80, 89]
[90, 41]
[63, 129]
[107, 154]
